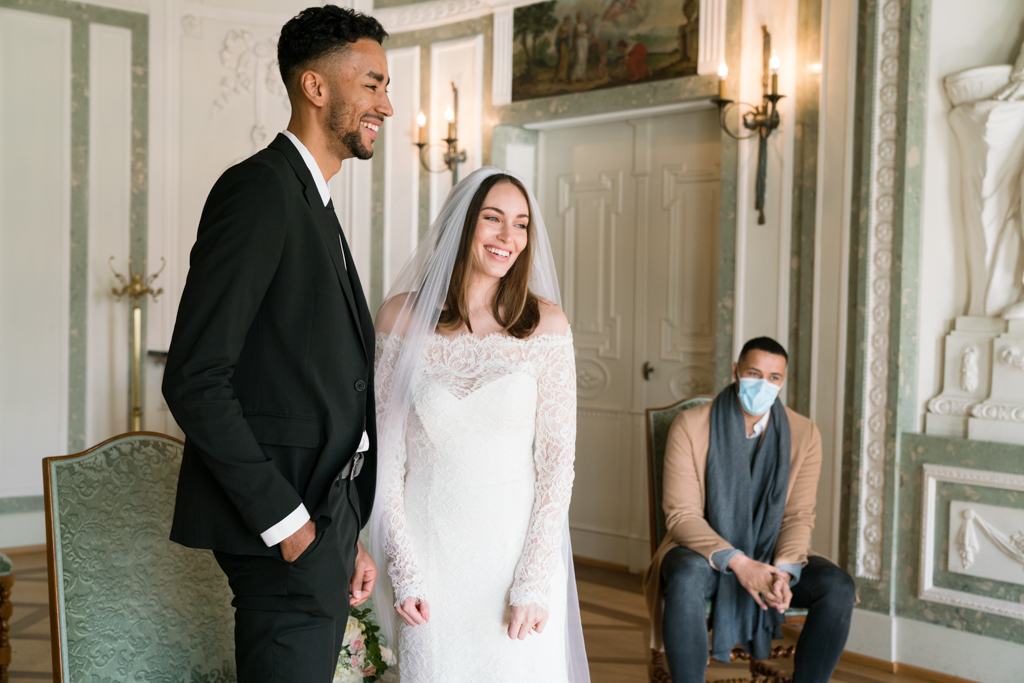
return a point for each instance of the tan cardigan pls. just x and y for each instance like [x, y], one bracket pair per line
[686, 460]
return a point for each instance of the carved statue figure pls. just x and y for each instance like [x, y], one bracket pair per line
[988, 121]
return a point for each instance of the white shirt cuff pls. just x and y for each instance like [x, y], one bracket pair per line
[286, 527]
[364, 444]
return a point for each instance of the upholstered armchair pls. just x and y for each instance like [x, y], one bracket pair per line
[127, 604]
[658, 422]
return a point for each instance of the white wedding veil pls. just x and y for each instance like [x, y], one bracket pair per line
[425, 278]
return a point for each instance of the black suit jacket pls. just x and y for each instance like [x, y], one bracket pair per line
[270, 368]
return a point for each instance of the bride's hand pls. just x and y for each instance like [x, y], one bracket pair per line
[414, 612]
[532, 617]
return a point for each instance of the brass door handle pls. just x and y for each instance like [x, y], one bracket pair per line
[648, 370]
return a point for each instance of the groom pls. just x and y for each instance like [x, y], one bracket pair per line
[270, 369]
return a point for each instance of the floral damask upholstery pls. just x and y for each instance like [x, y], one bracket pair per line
[132, 605]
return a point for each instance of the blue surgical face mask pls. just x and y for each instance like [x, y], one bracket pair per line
[757, 395]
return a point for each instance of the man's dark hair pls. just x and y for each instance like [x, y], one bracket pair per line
[766, 344]
[319, 31]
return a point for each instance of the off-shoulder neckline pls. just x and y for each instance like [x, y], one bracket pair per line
[547, 336]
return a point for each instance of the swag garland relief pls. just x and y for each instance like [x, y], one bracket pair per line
[985, 541]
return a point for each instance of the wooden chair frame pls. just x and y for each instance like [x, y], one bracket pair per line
[761, 671]
[53, 587]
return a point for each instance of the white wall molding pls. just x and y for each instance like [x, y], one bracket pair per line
[110, 131]
[623, 115]
[926, 588]
[401, 163]
[423, 15]
[501, 81]
[875, 407]
[711, 41]
[461, 62]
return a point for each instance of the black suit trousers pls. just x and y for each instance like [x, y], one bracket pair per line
[287, 627]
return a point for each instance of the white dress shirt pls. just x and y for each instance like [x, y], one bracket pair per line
[300, 515]
[760, 425]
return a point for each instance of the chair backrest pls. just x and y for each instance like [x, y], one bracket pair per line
[127, 604]
[658, 422]
[6, 566]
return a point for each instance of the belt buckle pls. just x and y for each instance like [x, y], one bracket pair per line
[356, 466]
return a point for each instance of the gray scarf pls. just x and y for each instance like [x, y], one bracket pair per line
[745, 505]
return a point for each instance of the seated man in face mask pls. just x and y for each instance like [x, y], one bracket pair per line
[740, 479]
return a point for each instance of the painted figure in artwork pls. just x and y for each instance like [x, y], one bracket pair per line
[617, 9]
[572, 46]
[634, 60]
[602, 60]
[581, 41]
[689, 31]
[562, 40]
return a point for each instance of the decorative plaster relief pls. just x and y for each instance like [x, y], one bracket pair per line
[429, 14]
[591, 378]
[967, 539]
[1011, 357]
[191, 26]
[926, 587]
[254, 71]
[879, 295]
[998, 411]
[969, 369]
[989, 130]
[944, 405]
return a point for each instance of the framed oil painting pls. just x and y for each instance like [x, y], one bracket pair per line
[568, 46]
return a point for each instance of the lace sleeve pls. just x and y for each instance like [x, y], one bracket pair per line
[392, 455]
[554, 453]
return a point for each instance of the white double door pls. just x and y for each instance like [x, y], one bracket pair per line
[632, 210]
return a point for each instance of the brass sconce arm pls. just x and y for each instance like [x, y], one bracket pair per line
[761, 120]
[453, 156]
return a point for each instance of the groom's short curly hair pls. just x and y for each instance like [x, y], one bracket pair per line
[316, 32]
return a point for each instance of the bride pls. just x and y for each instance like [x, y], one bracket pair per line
[476, 413]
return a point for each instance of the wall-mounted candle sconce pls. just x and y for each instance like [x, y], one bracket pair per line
[452, 155]
[761, 120]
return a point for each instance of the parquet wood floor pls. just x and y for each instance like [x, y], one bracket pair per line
[615, 627]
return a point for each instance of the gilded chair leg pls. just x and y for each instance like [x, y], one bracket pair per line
[656, 669]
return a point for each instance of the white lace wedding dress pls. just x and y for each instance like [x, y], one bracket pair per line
[476, 524]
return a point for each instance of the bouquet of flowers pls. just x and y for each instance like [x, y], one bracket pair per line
[363, 658]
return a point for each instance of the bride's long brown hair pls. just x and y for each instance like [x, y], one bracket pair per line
[516, 308]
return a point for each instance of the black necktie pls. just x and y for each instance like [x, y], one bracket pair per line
[330, 207]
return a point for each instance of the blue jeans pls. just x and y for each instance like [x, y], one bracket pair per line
[824, 590]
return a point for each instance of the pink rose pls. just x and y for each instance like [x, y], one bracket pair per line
[357, 644]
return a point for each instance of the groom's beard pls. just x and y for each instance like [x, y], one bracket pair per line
[337, 114]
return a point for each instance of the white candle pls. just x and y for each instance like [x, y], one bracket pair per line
[421, 121]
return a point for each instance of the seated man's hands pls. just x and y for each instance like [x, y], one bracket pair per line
[414, 611]
[758, 578]
[781, 593]
[296, 544]
[527, 618]
[363, 576]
